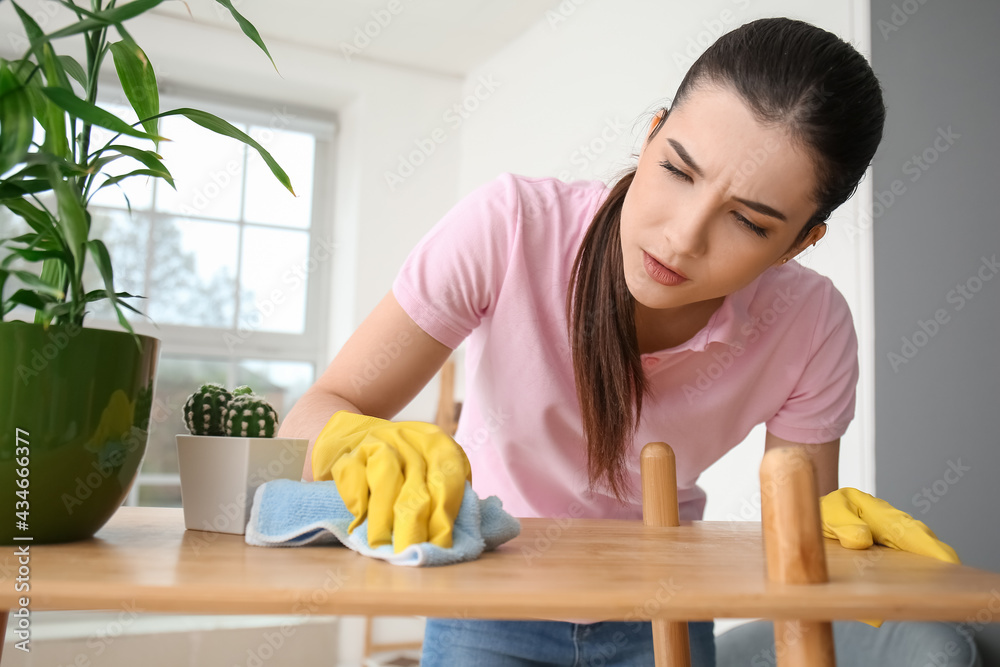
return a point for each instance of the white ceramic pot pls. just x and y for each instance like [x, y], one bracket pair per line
[219, 476]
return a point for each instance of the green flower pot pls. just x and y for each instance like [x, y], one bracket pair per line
[74, 417]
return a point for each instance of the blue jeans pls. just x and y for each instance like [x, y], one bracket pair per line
[486, 643]
[895, 644]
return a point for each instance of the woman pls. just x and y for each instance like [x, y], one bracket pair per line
[666, 308]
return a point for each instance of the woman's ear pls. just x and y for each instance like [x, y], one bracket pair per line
[814, 235]
[661, 114]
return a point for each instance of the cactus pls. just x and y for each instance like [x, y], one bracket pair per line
[242, 389]
[205, 410]
[251, 416]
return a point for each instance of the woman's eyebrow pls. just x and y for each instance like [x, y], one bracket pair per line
[688, 160]
[755, 205]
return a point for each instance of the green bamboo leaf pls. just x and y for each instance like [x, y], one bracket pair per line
[11, 82]
[55, 74]
[74, 69]
[16, 121]
[124, 322]
[99, 252]
[104, 18]
[92, 113]
[32, 255]
[148, 158]
[121, 177]
[138, 81]
[58, 310]
[30, 298]
[27, 239]
[45, 158]
[17, 189]
[34, 33]
[100, 295]
[102, 260]
[248, 29]
[3, 280]
[51, 118]
[72, 219]
[38, 285]
[219, 126]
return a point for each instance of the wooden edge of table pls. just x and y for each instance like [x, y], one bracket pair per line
[557, 569]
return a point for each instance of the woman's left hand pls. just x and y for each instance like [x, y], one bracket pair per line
[859, 519]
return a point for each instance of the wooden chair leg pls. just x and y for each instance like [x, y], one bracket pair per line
[793, 542]
[659, 508]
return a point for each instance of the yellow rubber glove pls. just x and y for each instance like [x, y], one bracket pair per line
[408, 478]
[859, 519]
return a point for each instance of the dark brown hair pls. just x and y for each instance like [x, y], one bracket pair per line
[789, 73]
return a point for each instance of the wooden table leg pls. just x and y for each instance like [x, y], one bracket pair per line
[659, 508]
[793, 542]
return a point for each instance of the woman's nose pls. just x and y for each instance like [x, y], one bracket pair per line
[687, 231]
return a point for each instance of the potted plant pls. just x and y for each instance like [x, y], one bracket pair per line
[75, 401]
[230, 452]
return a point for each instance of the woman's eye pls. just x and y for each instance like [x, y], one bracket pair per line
[674, 171]
[759, 231]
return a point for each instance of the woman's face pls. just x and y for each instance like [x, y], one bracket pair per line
[718, 197]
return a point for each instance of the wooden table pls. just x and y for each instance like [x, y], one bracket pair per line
[556, 569]
[598, 569]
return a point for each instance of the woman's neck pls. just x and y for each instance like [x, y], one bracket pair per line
[659, 329]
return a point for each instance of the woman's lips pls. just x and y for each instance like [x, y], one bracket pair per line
[660, 273]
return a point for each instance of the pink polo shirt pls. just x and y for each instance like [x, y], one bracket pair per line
[495, 270]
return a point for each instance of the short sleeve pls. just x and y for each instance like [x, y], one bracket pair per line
[822, 404]
[451, 280]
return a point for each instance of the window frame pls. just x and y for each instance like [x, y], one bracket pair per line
[210, 343]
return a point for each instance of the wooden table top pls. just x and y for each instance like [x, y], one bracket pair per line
[556, 569]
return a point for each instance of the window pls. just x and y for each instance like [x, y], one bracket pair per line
[233, 268]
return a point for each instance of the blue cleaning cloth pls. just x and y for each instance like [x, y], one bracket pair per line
[287, 513]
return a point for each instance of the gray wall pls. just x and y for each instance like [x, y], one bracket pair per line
[937, 403]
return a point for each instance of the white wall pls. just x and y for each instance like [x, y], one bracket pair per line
[577, 91]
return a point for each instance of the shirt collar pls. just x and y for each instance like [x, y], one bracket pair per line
[727, 324]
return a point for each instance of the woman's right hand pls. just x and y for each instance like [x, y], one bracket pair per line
[407, 478]
[377, 372]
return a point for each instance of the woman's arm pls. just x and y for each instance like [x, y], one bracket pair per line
[825, 458]
[383, 365]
